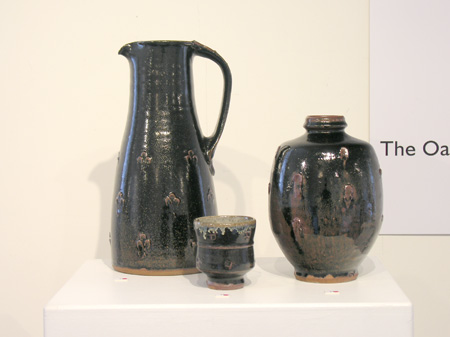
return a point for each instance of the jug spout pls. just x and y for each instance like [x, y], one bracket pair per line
[125, 50]
[133, 48]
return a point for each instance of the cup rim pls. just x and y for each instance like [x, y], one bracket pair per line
[224, 221]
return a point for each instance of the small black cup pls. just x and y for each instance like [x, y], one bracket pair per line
[225, 249]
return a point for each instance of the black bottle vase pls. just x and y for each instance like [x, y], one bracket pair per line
[325, 201]
[164, 175]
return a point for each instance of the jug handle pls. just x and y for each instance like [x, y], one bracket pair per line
[210, 143]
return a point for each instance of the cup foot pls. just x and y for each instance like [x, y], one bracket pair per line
[225, 284]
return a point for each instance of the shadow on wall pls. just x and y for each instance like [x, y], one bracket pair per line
[103, 176]
[250, 168]
[10, 327]
[240, 171]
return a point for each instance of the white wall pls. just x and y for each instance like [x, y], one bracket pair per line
[64, 100]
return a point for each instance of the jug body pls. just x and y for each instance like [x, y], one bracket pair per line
[164, 174]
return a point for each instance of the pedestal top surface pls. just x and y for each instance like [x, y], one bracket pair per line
[271, 284]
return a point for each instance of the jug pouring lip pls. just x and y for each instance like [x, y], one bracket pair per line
[125, 50]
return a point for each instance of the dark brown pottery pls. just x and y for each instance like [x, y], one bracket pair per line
[325, 201]
[164, 175]
[225, 249]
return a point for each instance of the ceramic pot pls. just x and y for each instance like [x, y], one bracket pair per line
[325, 201]
[164, 174]
[225, 249]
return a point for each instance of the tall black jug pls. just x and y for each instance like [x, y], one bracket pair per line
[164, 175]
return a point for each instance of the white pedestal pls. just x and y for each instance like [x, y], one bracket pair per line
[98, 301]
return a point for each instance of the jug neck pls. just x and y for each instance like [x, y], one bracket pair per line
[153, 53]
[325, 128]
[161, 72]
[325, 123]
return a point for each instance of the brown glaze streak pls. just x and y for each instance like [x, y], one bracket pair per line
[172, 199]
[144, 158]
[191, 158]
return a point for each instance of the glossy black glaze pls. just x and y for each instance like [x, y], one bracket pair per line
[325, 201]
[225, 249]
[164, 175]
